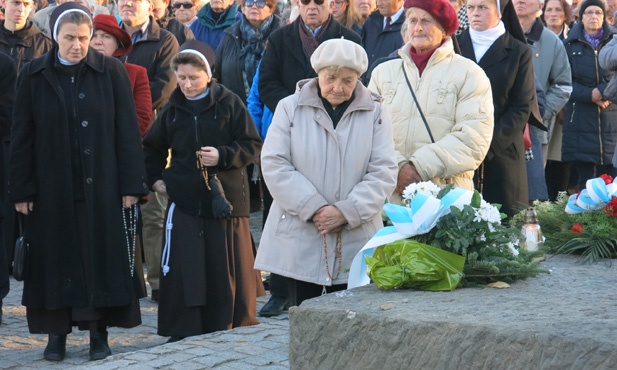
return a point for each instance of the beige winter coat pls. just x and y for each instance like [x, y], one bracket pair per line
[307, 164]
[455, 97]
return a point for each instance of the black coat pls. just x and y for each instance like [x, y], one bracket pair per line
[589, 132]
[284, 62]
[508, 65]
[25, 44]
[154, 53]
[112, 165]
[223, 122]
[8, 76]
[229, 64]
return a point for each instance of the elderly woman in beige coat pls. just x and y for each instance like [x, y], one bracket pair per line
[329, 163]
[444, 135]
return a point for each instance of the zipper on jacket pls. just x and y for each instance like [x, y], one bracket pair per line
[595, 52]
[573, 111]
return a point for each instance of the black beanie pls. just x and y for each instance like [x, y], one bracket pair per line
[61, 10]
[588, 3]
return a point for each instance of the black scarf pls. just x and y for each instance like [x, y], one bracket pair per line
[310, 42]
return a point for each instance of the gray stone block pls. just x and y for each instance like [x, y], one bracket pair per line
[565, 320]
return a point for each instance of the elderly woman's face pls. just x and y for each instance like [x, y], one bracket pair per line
[424, 31]
[193, 81]
[105, 43]
[337, 86]
[482, 14]
[73, 41]
[593, 17]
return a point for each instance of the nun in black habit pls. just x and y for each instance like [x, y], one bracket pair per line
[497, 43]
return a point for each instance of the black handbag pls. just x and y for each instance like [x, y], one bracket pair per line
[21, 256]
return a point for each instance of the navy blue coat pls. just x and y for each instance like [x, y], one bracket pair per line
[379, 42]
[589, 132]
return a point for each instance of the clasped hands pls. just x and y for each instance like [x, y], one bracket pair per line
[328, 219]
[596, 97]
[208, 156]
[407, 175]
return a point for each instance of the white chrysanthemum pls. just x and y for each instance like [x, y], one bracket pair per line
[424, 187]
[512, 249]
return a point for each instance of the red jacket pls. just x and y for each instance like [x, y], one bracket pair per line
[141, 94]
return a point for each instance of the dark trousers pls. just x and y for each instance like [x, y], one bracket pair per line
[587, 170]
[557, 178]
[4, 268]
[301, 290]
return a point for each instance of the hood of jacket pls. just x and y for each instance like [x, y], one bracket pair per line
[227, 18]
[577, 33]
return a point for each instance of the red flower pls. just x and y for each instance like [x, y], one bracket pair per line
[577, 228]
[607, 179]
[578, 194]
[611, 207]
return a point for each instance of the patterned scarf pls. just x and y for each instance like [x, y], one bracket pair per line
[310, 42]
[253, 42]
[594, 39]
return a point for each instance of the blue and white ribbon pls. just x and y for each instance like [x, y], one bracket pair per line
[595, 196]
[419, 218]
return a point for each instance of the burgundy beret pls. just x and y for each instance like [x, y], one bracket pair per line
[441, 10]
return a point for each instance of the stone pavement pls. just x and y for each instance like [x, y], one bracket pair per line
[262, 346]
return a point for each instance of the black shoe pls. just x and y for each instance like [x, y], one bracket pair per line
[99, 349]
[275, 306]
[155, 295]
[56, 348]
[174, 339]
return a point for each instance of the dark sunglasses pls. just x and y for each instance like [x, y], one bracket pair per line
[182, 5]
[258, 3]
[317, 2]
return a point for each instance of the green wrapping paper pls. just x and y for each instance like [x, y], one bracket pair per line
[410, 264]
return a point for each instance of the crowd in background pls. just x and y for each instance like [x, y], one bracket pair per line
[352, 100]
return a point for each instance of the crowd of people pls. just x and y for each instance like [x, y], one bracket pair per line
[131, 130]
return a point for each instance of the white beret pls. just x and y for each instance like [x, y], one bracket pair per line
[340, 53]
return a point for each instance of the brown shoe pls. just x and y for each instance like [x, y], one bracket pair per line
[155, 295]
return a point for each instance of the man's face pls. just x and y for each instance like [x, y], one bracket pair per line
[17, 12]
[159, 8]
[314, 12]
[387, 8]
[527, 8]
[220, 6]
[134, 12]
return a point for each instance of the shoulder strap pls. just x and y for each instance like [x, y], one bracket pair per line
[430, 134]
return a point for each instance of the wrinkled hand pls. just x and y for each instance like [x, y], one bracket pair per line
[328, 219]
[160, 187]
[128, 201]
[24, 207]
[407, 175]
[209, 156]
[603, 103]
[596, 95]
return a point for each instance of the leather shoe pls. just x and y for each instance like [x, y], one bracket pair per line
[174, 339]
[275, 306]
[155, 295]
[99, 349]
[56, 348]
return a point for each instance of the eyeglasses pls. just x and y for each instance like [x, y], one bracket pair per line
[597, 13]
[182, 5]
[317, 2]
[337, 4]
[258, 3]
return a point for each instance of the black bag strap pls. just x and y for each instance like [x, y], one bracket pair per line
[430, 134]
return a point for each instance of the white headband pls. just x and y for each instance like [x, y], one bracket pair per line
[498, 8]
[55, 33]
[200, 55]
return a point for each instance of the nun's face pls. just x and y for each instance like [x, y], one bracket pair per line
[193, 81]
[482, 14]
[73, 41]
[425, 33]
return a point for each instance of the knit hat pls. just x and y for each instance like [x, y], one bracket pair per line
[108, 23]
[340, 53]
[588, 3]
[203, 51]
[61, 11]
[441, 10]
